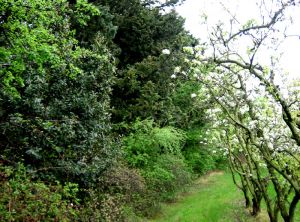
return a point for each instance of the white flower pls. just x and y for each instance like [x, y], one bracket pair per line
[252, 124]
[173, 76]
[214, 151]
[188, 49]
[195, 75]
[193, 95]
[196, 62]
[166, 51]
[177, 69]
[199, 48]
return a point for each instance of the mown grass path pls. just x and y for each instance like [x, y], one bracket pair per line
[213, 198]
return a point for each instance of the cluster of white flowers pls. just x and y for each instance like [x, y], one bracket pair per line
[235, 140]
[177, 69]
[196, 62]
[173, 76]
[244, 109]
[188, 50]
[262, 165]
[166, 51]
[198, 48]
[193, 95]
[253, 124]
[186, 60]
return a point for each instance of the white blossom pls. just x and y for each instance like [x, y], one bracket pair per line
[193, 95]
[173, 76]
[177, 69]
[166, 51]
[188, 49]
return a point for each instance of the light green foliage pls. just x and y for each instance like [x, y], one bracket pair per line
[31, 39]
[22, 199]
[147, 142]
[157, 152]
[167, 175]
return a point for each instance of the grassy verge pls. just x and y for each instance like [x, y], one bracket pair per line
[213, 198]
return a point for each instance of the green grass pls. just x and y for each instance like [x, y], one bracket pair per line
[213, 198]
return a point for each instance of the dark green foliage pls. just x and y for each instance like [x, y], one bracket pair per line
[186, 112]
[146, 90]
[62, 64]
[142, 31]
[199, 153]
[200, 160]
[55, 108]
[143, 82]
[24, 200]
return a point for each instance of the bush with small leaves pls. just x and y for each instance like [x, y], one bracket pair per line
[22, 199]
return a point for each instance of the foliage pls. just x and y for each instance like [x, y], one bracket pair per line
[186, 112]
[143, 83]
[66, 67]
[142, 31]
[22, 199]
[102, 207]
[166, 176]
[54, 95]
[147, 142]
[200, 151]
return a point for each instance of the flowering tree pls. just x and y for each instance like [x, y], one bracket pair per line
[258, 117]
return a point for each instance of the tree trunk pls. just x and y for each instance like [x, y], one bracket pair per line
[292, 208]
[247, 199]
[256, 206]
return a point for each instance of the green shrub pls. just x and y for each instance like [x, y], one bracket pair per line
[119, 192]
[54, 95]
[102, 207]
[147, 142]
[24, 200]
[200, 160]
[198, 152]
[168, 175]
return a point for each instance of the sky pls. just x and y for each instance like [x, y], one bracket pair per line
[217, 10]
